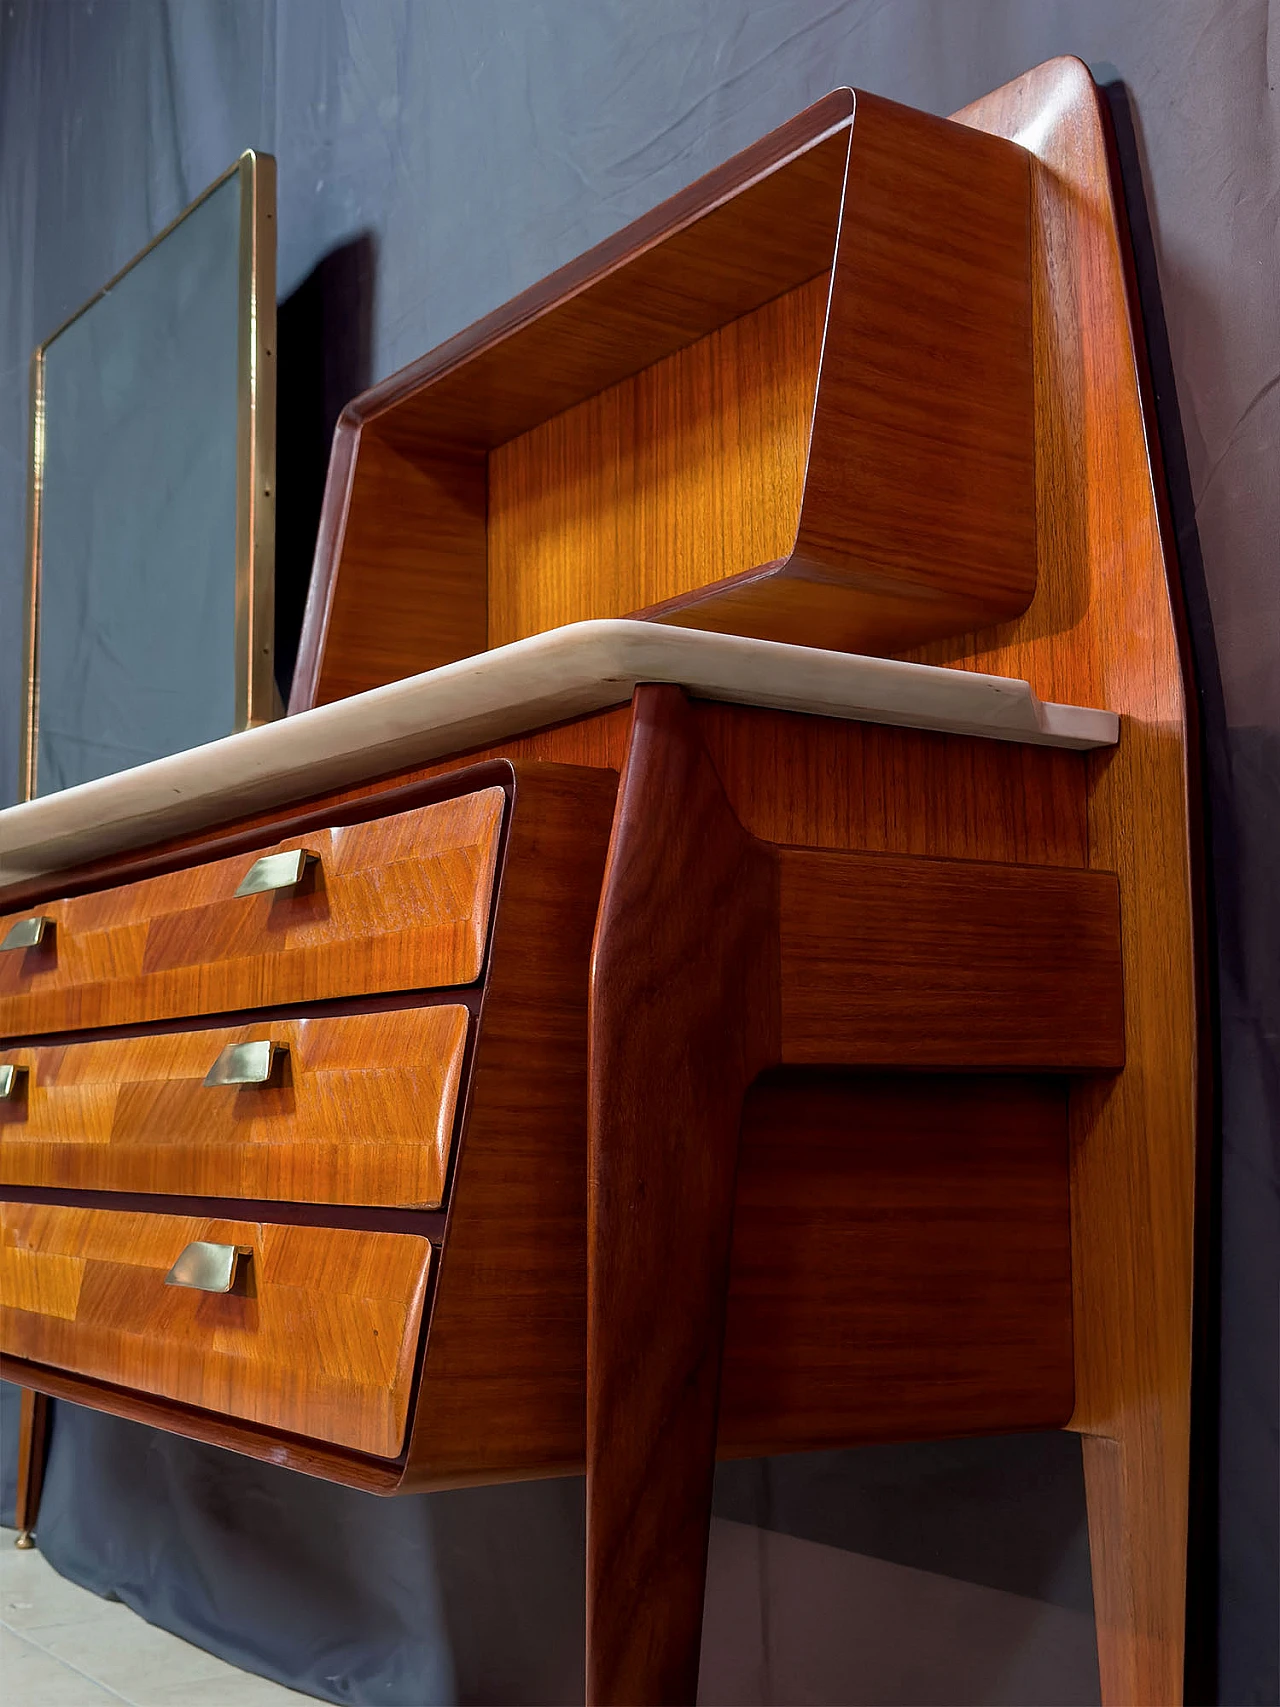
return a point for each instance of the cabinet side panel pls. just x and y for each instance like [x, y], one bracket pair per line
[901, 1262]
[411, 594]
[502, 1391]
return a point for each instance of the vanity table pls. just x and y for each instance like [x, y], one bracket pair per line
[579, 1041]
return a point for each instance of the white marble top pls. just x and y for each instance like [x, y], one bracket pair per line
[567, 672]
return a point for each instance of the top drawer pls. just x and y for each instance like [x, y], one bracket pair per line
[396, 903]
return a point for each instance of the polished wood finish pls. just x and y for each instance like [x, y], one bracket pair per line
[861, 1199]
[394, 903]
[503, 1373]
[718, 955]
[889, 962]
[917, 516]
[684, 1014]
[819, 782]
[416, 531]
[359, 1109]
[661, 485]
[35, 1419]
[901, 1264]
[1105, 629]
[318, 1337]
[810, 782]
[742, 408]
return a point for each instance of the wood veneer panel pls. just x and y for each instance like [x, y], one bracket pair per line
[747, 232]
[416, 532]
[686, 473]
[1106, 629]
[918, 510]
[502, 1386]
[928, 963]
[396, 903]
[656, 441]
[901, 1263]
[360, 1112]
[319, 1338]
[820, 782]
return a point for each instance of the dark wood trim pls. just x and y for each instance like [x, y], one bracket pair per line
[423, 1223]
[469, 996]
[34, 1426]
[683, 1015]
[273, 1446]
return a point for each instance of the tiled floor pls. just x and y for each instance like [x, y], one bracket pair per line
[61, 1646]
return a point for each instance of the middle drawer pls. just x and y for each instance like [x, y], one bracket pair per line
[354, 1109]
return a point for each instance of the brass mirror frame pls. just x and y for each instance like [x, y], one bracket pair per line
[256, 695]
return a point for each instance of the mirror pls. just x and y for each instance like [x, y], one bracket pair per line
[151, 520]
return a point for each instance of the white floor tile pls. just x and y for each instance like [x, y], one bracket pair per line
[65, 1647]
[29, 1677]
[149, 1667]
[34, 1597]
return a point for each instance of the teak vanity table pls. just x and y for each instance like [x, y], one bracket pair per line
[766, 1025]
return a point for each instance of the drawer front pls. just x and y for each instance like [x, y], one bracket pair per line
[357, 1109]
[396, 903]
[318, 1335]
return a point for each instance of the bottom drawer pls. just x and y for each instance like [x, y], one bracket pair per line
[316, 1336]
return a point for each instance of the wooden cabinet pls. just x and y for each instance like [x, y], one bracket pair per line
[719, 1071]
[360, 1120]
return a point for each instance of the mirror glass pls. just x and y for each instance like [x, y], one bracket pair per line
[144, 575]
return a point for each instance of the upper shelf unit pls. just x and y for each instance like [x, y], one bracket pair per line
[793, 402]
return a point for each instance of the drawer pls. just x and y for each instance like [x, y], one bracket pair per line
[397, 903]
[355, 1109]
[317, 1336]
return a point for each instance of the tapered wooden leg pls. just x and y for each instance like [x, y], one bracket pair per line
[33, 1447]
[1137, 1547]
[683, 1016]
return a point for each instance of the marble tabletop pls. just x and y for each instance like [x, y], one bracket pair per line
[567, 672]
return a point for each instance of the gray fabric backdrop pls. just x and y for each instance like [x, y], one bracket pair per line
[434, 158]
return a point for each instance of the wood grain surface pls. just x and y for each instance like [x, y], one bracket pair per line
[359, 1110]
[502, 1392]
[684, 1014]
[1105, 629]
[918, 511]
[748, 232]
[319, 1338]
[674, 479]
[34, 1420]
[901, 1263]
[909, 962]
[395, 903]
[415, 531]
[820, 782]
[741, 415]
[1101, 630]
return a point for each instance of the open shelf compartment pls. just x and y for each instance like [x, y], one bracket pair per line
[793, 402]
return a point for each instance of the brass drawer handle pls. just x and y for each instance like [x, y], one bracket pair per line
[245, 1064]
[206, 1267]
[26, 933]
[11, 1078]
[277, 871]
